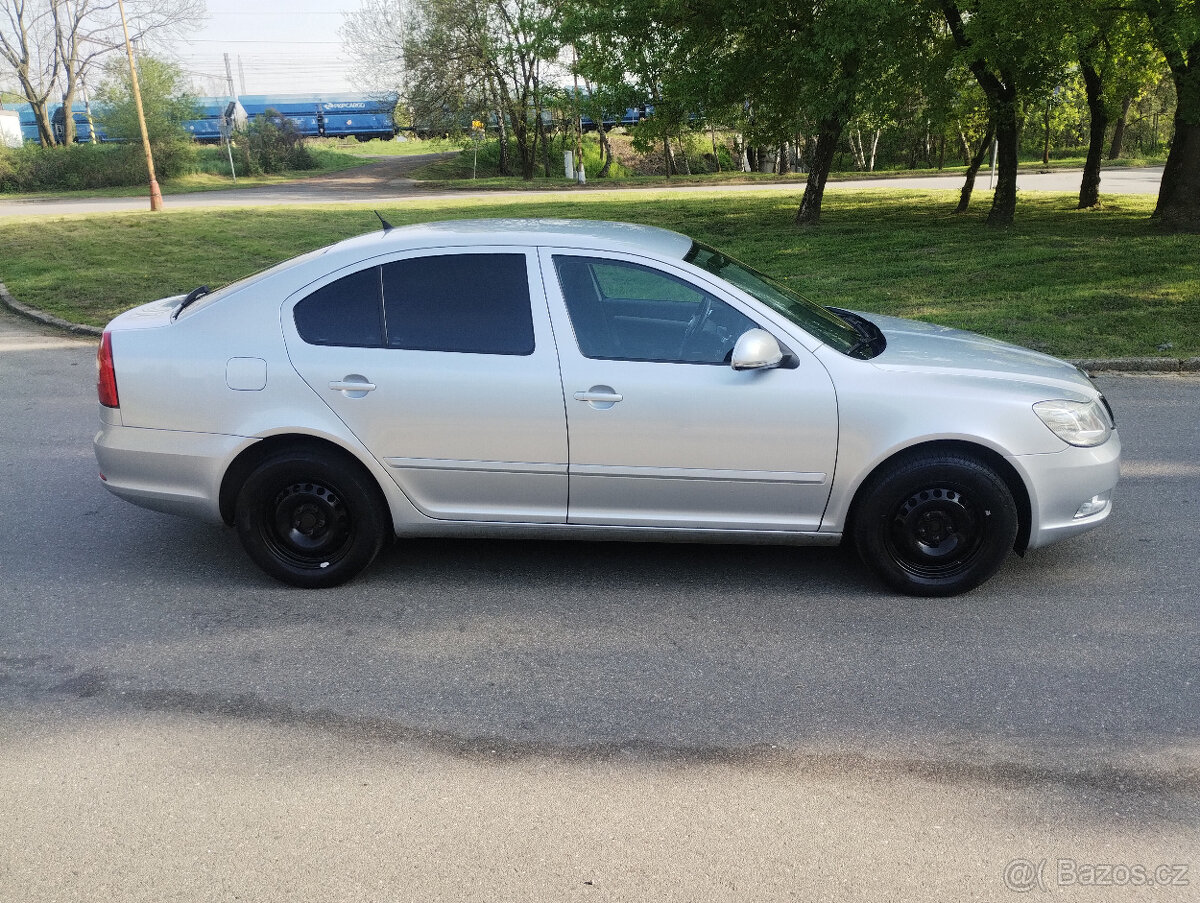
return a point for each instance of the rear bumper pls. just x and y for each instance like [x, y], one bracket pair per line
[167, 470]
[1061, 483]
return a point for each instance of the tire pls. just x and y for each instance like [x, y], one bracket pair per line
[935, 525]
[311, 519]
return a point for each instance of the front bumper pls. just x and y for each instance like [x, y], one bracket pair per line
[1060, 483]
[167, 470]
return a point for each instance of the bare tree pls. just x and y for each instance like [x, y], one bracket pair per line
[29, 51]
[374, 36]
[54, 44]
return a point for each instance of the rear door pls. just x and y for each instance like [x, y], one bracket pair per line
[442, 363]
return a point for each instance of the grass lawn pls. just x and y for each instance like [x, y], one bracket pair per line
[377, 147]
[1078, 284]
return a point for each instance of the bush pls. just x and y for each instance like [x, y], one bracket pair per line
[271, 143]
[36, 168]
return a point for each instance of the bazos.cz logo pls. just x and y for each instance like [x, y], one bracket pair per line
[1025, 875]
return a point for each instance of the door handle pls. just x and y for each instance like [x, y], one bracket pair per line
[354, 386]
[600, 397]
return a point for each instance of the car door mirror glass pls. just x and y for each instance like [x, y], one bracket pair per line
[756, 349]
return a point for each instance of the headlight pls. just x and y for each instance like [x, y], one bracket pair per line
[1081, 423]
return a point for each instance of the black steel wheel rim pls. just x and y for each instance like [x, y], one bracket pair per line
[308, 525]
[935, 533]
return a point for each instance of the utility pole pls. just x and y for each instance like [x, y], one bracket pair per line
[227, 121]
[156, 201]
[233, 95]
[241, 75]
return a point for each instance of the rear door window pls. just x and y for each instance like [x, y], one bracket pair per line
[473, 303]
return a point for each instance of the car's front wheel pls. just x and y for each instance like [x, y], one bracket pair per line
[935, 525]
[310, 519]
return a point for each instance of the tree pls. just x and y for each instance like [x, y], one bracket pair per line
[637, 52]
[28, 49]
[1014, 49]
[374, 36]
[1175, 26]
[1115, 60]
[793, 69]
[54, 44]
[166, 104]
[466, 53]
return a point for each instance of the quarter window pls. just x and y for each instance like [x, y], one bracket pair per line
[345, 312]
[626, 311]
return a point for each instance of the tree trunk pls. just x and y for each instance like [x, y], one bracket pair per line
[1089, 188]
[1178, 206]
[964, 196]
[809, 213]
[1118, 138]
[966, 147]
[1001, 92]
[1004, 201]
[1046, 125]
[605, 149]
[527, 153]
[505, 151]
[712, 131]
[68, 137]
[41, 116]
[785, 160]
[687, 166]
[668, 157]
[860, 161]
[545, 141]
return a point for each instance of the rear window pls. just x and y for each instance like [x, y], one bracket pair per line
[212, 297]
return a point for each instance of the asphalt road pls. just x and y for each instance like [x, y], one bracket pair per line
[386, 182]
[535, 721]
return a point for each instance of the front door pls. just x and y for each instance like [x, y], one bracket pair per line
[662, 431]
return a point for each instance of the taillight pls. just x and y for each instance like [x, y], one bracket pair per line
[106, 376]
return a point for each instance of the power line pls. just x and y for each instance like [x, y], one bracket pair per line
[252, 41]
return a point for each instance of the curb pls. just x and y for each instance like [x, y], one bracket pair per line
[1141, 365]
[1097, 365]
[44, 318]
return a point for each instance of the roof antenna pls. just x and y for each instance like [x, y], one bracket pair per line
[387, 227]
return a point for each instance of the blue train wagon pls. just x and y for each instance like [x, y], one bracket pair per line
[363, 116]
[84, 125]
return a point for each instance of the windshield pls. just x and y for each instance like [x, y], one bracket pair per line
[814, 319]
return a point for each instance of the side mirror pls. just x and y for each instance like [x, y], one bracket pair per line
[756, 349]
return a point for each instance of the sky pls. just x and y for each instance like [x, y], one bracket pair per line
[290, 47]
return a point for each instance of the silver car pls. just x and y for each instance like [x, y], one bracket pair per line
[577, 379]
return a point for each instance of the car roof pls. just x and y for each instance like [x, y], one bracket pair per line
[569, 233]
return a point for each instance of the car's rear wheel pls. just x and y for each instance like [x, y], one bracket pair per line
[935, 525]
[311, 519]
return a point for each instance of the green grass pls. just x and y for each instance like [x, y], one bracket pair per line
[455, 173]
[376, 147]
[1102, 283]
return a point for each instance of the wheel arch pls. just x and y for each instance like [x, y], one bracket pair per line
[244, 464]
[990, 457]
